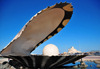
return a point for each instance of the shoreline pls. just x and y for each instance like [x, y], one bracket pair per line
[90, 58]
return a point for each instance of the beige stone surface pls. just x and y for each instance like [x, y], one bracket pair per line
[3, 59]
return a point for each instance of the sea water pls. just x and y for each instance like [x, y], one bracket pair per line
[91, 65]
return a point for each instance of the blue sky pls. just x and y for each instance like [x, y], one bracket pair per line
[82, 31]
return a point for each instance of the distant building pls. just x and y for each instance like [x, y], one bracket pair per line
[97, 53]
[93, 53]
[73, 50]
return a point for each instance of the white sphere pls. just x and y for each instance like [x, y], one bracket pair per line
[50, 50]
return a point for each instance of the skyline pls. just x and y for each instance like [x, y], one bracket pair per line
[82, 31]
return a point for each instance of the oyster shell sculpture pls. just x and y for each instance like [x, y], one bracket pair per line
[38, 29]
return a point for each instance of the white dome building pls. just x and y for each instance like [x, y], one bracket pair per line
[50, 50]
